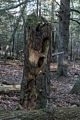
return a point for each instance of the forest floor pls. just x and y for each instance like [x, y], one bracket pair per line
[11, 72]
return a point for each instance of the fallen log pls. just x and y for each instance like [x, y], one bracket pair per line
[57, 114]
[9, 89]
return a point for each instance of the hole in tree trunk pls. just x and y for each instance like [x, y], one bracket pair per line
[40, 62]
[44, 44]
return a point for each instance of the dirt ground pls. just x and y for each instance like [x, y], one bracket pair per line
[60, 95]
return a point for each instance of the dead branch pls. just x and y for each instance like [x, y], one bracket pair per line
[74, 10]
[75, 20]
[13, 7]
[59, 53]
[8, 89]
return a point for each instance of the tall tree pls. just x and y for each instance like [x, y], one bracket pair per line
[52, 22]
[64, 20]
[71, 47]
[37, 11]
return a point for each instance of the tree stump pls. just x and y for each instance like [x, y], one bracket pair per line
[34, 87]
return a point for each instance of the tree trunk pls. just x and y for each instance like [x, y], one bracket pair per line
[37, 10]
[52, 39]
[76, 87]
[71, 52]
[64, 19]
[36, 66]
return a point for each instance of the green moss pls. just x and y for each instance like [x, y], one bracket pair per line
[76, 87]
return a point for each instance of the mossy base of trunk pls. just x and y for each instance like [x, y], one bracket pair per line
[62, 70]
[76, 87]
[57, 114]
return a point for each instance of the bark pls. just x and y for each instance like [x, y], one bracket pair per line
[64, 19]
[37, 7]
[71, 34]
[52, 22]
[36, 51]
[71, 47]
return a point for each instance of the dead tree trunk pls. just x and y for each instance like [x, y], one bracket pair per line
[36, 67]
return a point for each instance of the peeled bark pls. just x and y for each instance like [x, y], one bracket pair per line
[36, 51]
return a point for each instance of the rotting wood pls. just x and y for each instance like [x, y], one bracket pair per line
[37, 43]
